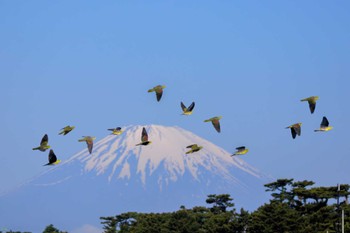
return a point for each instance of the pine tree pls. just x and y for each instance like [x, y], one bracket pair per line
[51, 229]
[220, 202]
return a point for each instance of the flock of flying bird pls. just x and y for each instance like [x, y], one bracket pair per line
[295, 129]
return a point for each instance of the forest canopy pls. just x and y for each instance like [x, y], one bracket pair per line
[295, 206]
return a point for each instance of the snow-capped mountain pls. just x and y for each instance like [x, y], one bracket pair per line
[119, 176]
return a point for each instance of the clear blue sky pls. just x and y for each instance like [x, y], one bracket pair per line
[90, 64]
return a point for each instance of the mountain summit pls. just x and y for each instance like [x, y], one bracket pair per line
[114, 156]
[119, 176]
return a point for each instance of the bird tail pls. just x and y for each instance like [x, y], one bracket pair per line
[61, 133]
[207, 120]
[36, 148]
[151, 90]
[81, 140]
[306, 99]
[57, 162]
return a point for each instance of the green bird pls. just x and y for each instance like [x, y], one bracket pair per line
[116, 131]
[187, 111]
[43, 144]
[295, 129]
[312, 102]
[324, 125]
[159, 91]
[66, 130]
[241, 151]
[89, 142]
[194, 148]
[215, 122]
[144, 138]
[52, 159]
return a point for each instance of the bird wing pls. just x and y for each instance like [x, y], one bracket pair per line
[183, 107]
[67, 128]
[240, 148]
[159, 93]
[312, 105]
[118, 128]
[191, 146]
[44, 140]
[294, 134]
[325, 122]
[190, 108]
[297, 129]
[216, 125]
[90, 144]
[144, 135]
[52, 157]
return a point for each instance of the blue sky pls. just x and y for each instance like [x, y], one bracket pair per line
[90, 64]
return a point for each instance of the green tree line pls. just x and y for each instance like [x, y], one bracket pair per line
[294, 207]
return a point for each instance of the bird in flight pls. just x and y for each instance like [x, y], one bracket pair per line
[194, 148]
[187, 111]
[159, 91]
[43, 144]
[215, 122]
[66, 129]
[241, 151]
[312, 102]
[144, 138]
[116, 131]
[324, 125]
[52, 159]
[295, 129]
[89, 142]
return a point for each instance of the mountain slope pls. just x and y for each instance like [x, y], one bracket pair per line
[119, 176]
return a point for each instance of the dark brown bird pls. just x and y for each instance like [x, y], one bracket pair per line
[89, 142]
[194, 148]
[295, 129]
[159, 91]
[52, 159]
[144, 138]
[312, 102]
[215, 122]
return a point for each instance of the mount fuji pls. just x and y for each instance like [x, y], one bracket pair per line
[119, 177]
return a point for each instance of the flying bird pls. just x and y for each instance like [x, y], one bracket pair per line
[194, 148]
[312, 102]
[52, 159]
[159, 91]
[144, 138]
[295, 129]
[89, 142]
[116, 131]
[66, 129]
[215, 122]
[324, 125]
[241, 151]
[187, 111]
[43, 144]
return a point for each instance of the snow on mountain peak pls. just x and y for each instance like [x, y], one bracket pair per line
[115, 156]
